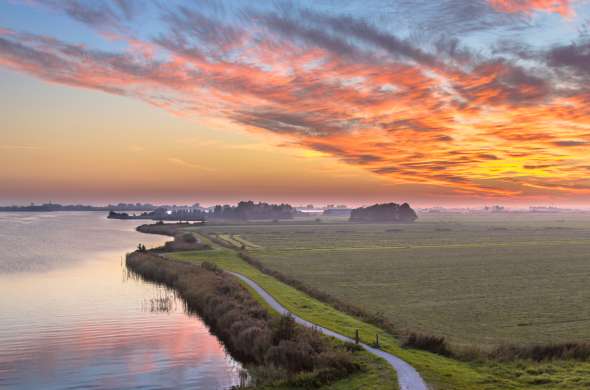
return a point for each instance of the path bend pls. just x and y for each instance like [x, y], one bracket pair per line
[407, 376]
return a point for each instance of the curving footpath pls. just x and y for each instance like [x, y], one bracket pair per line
[407, 376]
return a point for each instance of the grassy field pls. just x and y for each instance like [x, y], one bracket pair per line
[480, 279]
[443, 373]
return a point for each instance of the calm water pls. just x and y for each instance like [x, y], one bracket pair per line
[71, 318]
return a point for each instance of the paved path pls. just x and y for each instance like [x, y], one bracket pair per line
[408, 377]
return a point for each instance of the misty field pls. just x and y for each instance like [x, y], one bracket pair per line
[477, 279]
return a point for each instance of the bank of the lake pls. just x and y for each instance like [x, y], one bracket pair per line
[73, 318]
[281, 354]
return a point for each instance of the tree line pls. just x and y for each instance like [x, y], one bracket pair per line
[385, 212]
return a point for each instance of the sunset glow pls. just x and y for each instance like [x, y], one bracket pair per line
[303, 100]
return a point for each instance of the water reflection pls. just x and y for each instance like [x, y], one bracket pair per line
[83, 325]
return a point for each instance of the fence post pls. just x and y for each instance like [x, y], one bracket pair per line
[243, 379]
[356, 336]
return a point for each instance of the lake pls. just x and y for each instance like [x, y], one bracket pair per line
[71, 317]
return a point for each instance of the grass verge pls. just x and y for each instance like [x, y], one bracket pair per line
[439, 371]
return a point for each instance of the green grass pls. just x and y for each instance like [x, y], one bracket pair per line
[508, 278]
[446, 373]
[228, 238]
[245, 242]
[237, 241]
[442, 372]
[376, 373]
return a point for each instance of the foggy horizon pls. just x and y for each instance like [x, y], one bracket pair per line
[298, 202]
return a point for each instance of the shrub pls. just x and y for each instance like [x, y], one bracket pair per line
[339, 361]
[283, 329]
[211, 267]
[267, 374]
[429, 343]
[295, 356]
[189, 237]
[574, 351]
[248, 332]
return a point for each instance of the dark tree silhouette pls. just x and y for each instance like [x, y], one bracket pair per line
[386, 212]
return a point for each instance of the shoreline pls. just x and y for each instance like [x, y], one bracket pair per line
[343, 367]
[209, 292]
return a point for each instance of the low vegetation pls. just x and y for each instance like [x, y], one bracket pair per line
[279, 351]
[428, 343]
[183, 242]
[165, 229]
[546, 352]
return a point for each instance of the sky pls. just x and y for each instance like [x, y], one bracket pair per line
[445, 102]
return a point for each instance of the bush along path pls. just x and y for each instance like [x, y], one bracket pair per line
[408, 377]
[280, 353]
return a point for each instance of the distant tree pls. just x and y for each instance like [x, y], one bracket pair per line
[406, 213]
[248, 210]
[386, 212]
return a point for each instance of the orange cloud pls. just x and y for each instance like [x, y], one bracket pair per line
[562, 7]
[485, 127]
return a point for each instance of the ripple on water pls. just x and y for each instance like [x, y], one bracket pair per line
[71, 318]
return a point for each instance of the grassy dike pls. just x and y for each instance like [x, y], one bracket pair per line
[256, 335]
[441, 372]
[438, 371]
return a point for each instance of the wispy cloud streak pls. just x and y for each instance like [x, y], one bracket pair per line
[509, 122]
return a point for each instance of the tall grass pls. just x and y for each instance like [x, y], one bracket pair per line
[559, 351]
[250, 334]
[426, 342]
